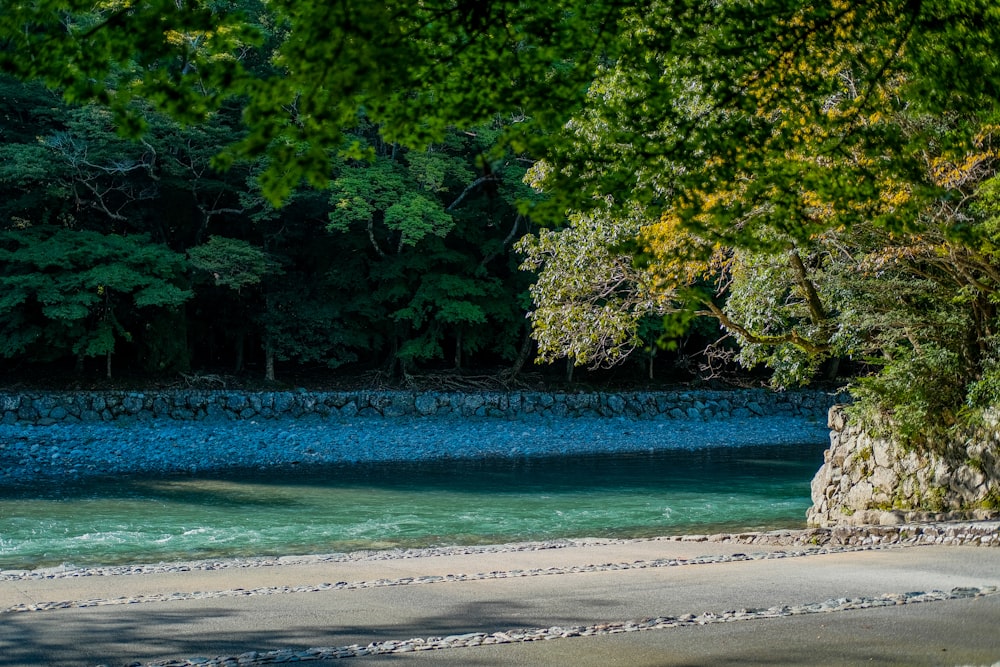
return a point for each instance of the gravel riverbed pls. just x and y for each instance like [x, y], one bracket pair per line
[31, 453]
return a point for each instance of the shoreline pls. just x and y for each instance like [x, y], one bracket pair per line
[277, 443]
[827, 540]
[778, 597]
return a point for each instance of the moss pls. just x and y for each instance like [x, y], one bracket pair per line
[867, 453]
[901, 501]
[885, 505]
[991, 501]
[933, 500]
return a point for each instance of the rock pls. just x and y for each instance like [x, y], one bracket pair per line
[426, 404]
[616, 404]
[836, 418]
[283, 402]
[234, 401]
[894, 518]
[44, 405]
[883, 452]
[27, 413]
[132, 404]
[396, 410]
[859, 496]
[249, 405]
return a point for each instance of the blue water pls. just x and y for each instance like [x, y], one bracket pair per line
[329, 509]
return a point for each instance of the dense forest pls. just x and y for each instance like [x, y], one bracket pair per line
[683, 188]
[142, 256]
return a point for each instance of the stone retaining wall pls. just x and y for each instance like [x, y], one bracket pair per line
[868, 480]
[55, 407]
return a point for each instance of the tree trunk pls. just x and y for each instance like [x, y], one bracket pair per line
[569, 370]
[522, 355]
[239, 345]
[269, 362]
[458, 350]
[107, 363]
[390, 367]
[832, 367]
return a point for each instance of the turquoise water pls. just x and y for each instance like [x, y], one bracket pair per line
[350, 507]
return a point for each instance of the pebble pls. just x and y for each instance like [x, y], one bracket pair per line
[556, 632]
[50, 453]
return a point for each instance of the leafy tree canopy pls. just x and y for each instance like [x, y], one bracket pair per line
[738, 117]
[415, 68]
[84, 285]
[717, 107]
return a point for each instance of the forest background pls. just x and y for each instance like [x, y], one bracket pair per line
[688, 187]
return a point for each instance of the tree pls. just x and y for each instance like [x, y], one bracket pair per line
[279, 279]
[782, 163]
[64, 167]
[590, 299]
[75, 292]
[684, 85]
[736, 131]
[733, 128]
[439, 225]
[916, 307]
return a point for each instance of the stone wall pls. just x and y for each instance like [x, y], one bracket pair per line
[56, 407]
[868, 480]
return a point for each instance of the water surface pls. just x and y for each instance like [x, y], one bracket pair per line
[142, 519]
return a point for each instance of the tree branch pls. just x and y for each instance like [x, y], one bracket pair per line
[472, 186]
[817, 313]
[793, 337]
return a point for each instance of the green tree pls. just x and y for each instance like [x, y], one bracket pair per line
[76, 292]
[821, 117]
[684, 88]
[230, 263]
[64, 167]
[739, 131]
[590, 299]
[440, 224]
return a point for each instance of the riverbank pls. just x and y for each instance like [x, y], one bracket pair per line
[826, 540]
[30, 453]
[686, 600]
[61, 407]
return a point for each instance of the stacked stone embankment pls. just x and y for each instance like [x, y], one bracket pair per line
[45, 408]
[55, 435]
[868, 480]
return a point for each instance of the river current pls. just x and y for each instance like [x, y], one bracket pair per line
[345, 507]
